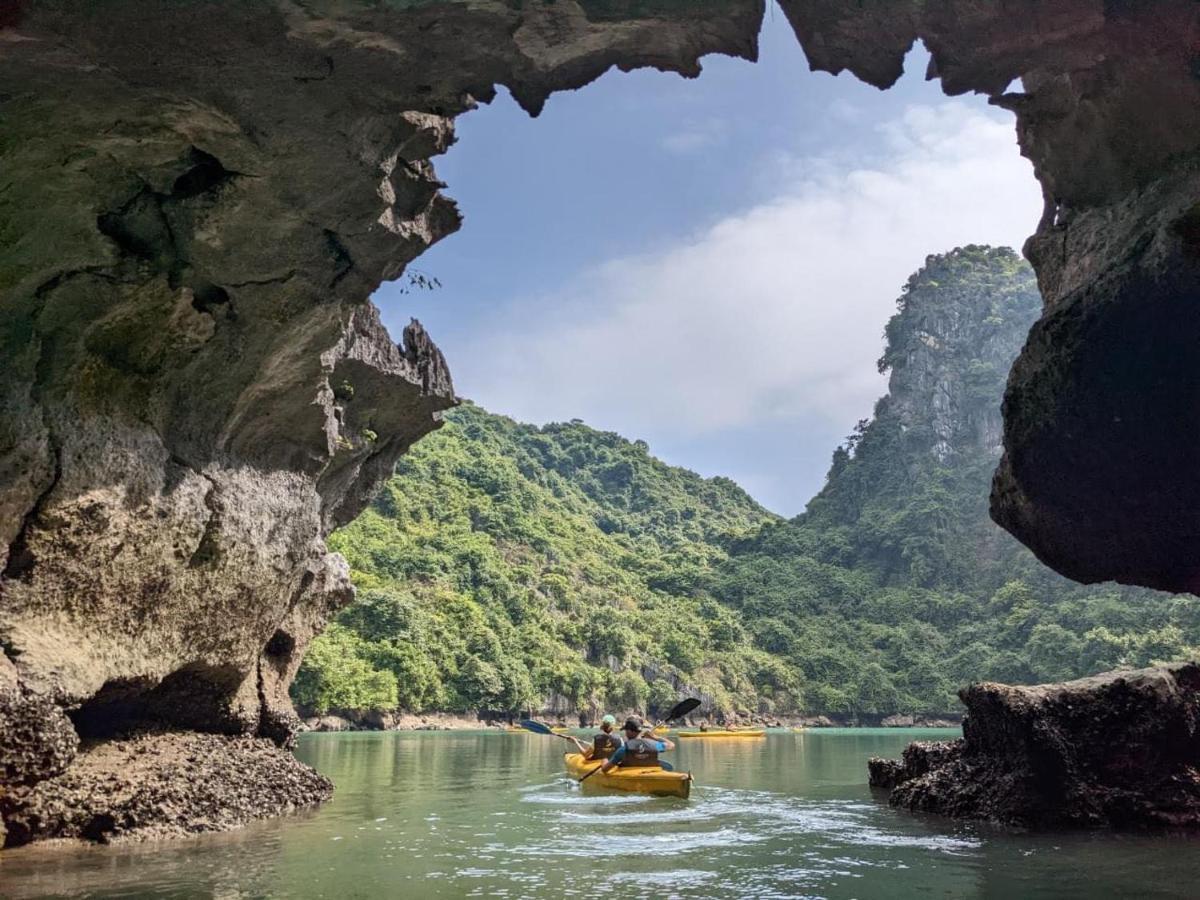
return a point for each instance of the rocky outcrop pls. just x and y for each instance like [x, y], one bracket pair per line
[1118, 750]
[196, 202]
[163, 785]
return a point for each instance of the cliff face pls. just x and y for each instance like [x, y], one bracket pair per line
[197, 199]
[961, 321]
[906, 498]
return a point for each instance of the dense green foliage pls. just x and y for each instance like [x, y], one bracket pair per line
[506, 566]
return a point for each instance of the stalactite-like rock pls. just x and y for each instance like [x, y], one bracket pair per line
[195, 205]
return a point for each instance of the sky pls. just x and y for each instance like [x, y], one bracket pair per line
[708, 264]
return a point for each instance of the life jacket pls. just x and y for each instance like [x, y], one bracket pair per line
[640, 752]
[604, 745]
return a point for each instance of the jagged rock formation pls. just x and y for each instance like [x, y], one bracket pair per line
[1115, 750]
[196, 201]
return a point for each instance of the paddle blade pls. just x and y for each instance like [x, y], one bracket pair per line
[535, 727]
[682, 708]
[667, 767]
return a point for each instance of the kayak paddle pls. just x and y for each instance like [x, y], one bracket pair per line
[542, 728]
[678, 711]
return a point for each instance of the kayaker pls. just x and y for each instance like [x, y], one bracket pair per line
[641, 748]
[605, 742]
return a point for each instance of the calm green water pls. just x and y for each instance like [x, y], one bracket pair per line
[490, 815]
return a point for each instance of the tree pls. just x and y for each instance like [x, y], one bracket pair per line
[628, 691]
[334, 676]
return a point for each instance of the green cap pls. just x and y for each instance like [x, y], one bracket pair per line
[609, 720]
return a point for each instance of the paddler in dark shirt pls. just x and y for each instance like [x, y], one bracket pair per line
[641, 748]
[605, 743]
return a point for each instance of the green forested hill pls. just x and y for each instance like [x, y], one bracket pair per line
[506, 566]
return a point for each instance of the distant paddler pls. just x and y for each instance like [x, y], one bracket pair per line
[604, 743]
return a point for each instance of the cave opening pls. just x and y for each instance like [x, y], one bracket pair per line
[764, 215]
[196, 696]
[697, 288]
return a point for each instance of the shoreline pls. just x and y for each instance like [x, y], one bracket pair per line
[441, 721]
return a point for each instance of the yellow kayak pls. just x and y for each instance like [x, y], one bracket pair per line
[559, 729]
[748, 733]
[639, 779]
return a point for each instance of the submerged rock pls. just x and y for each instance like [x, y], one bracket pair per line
[1117, 750]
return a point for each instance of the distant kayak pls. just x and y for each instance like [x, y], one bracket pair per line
[748, 733]
[638, 779]
[557, 729]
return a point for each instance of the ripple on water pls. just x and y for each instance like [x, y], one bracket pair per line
[833, 837]
[691, 877]
[639, 844]
[552, 795]
[843, 821]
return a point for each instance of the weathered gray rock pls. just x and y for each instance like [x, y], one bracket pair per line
[328, 723]
[38, 738]
[1118, 750]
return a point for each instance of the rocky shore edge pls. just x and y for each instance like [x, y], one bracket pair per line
[157, 785]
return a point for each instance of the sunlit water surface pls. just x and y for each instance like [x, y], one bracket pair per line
[491, 815]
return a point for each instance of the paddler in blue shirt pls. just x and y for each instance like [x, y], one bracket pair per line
[641, 748]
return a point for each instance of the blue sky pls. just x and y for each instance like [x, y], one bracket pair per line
[708, 264]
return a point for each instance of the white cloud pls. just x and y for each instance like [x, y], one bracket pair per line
[696, 136]
[774, 313]
[843, 110]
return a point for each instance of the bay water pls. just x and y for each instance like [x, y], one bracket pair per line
[491, 814]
